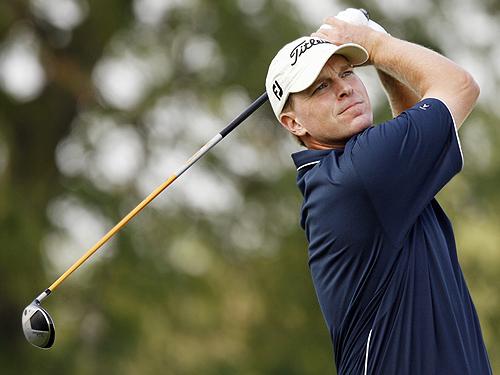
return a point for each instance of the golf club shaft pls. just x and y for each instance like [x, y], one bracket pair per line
[193, 159]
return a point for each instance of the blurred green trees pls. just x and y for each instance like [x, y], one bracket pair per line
[101, 101]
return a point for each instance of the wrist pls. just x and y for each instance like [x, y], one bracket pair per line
[374, 45]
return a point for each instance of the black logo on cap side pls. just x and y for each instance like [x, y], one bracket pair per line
[303, 47]
[277, 90]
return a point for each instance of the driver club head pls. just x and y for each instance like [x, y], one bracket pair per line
[38, 326]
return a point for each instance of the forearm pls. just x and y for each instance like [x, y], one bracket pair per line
[414, 66]
[400, 97]
[426, 72]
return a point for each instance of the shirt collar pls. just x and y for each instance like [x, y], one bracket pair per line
[309, 158]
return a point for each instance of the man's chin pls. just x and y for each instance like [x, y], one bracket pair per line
[361, 123]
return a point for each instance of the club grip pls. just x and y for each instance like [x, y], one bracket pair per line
[243, 115]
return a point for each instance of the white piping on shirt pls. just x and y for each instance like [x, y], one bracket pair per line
[456, 132]
[308, 164]
[367, 349]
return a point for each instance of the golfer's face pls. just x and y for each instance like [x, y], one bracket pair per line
[335, 107]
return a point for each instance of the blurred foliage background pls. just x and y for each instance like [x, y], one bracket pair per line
[100, 101]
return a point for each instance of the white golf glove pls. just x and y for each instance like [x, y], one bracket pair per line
[356, 17]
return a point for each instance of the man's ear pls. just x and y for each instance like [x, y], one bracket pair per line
[289, 121]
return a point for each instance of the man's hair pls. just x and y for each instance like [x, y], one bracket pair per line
[289, 107]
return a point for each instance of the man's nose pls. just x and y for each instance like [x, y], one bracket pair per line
[344, 90]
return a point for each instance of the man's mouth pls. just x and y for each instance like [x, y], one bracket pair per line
[349, 107]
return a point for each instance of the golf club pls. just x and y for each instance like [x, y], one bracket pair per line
[38, 326]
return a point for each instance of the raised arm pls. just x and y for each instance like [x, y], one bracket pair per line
[423, 71]
[400, 96]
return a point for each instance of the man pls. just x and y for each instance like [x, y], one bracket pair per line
[381, 250]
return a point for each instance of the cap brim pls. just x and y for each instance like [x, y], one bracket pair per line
[354, 53]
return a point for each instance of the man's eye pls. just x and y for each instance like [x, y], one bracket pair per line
[347, 73]
[321, 86]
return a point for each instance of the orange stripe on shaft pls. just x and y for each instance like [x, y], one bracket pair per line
[113, 231]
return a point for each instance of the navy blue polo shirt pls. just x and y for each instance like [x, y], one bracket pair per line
[382, 252]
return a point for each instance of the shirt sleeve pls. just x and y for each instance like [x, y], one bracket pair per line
[404, 162]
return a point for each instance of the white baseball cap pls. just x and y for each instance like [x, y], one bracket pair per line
[298, 64]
